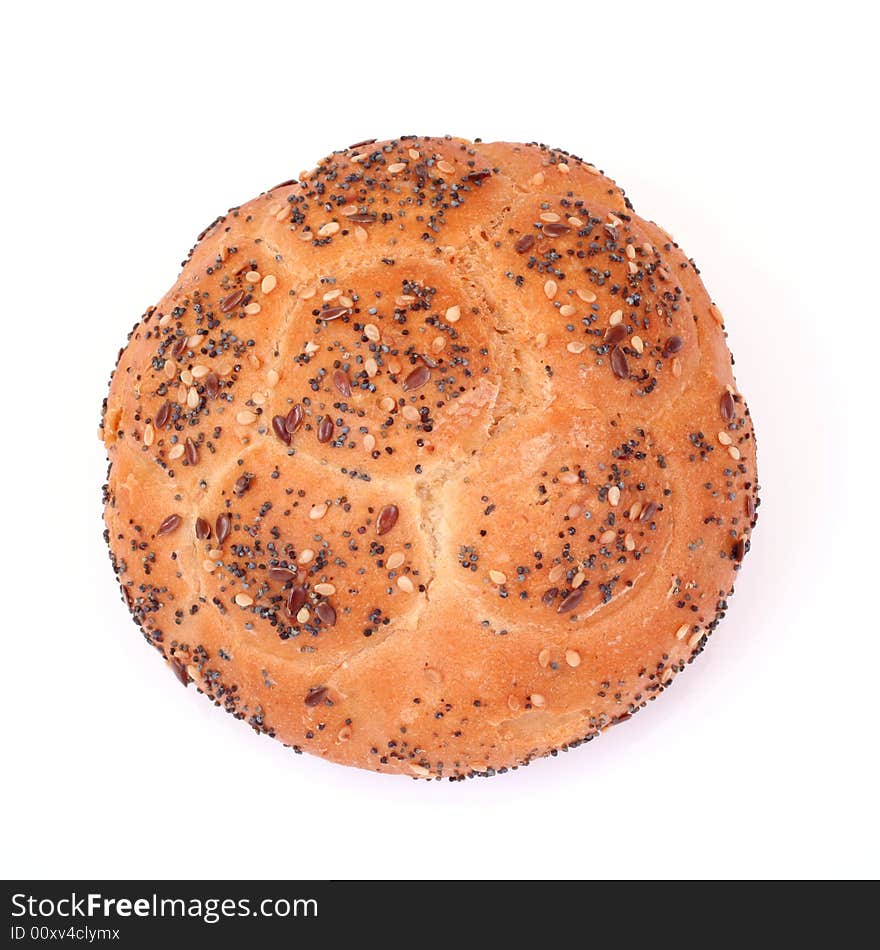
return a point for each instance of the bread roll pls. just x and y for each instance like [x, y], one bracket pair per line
[432, 461]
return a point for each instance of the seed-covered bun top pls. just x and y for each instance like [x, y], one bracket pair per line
[431, 461]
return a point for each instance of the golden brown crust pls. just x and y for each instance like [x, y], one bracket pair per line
[431, 462]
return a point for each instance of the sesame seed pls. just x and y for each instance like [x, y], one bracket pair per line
[556, 573]
[386, 403]
[302, 615]
[724, 438]
[544, 658]
[629, 543]
[419, 770]
[149, 434]
[252, 277]
[453, 314]
[245, 417]
[550, 288]
[369, 442]
[445, 167]
[538, 179]
[734, 452]
[360, 234]
[192, 398]
[607, 536]
[405, 584]
[497, 577]
[576, 346]
[371, 367]
[563, 168]
[537, 700]
[587, 296]
[572, 658]
[396, 167]
[371, 332]
[567, 310]
[569, 478]
[317, 512]
[682, 631]
[411, 414]
[613, 495]
[637, 344]
[269, 283]
[578, 580]
[395, 560]
[176, 451]
[615, 318]
[325, 590]
[306, 556]
[272, 377]
[549, 216]
[438, 343]
[243, 600]
[253, 308]
[328, 229]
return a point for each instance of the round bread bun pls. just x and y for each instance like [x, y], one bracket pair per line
[431, 461]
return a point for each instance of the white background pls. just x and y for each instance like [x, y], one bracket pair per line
[743, 129]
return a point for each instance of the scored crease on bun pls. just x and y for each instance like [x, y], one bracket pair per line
[431, 461]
